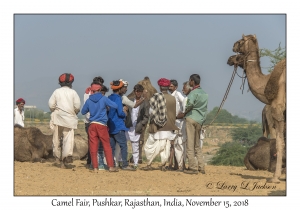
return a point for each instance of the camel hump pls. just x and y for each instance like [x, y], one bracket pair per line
[272, 86]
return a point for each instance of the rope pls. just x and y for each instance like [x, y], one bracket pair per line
[224, 98]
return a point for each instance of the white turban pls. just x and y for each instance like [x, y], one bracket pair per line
[124, 82]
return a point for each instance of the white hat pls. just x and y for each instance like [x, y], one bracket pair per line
[124, 82]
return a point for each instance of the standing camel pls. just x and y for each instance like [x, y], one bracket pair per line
[269, 89]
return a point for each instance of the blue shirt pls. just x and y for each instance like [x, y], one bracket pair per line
[97, 104]
[116, 116]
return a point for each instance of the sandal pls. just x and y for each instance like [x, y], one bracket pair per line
[113, 170]
[147, 168]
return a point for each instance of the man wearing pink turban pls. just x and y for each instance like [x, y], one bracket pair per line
[162, 125]
[19, 112]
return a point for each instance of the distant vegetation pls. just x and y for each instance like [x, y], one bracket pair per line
[225, 117]
[233, 153]
[34, 113]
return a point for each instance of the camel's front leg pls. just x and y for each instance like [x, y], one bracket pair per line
[279, 151]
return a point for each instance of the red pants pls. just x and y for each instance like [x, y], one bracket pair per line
[99, 132]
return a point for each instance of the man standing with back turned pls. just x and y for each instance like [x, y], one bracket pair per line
[64, 104]
[195, 114]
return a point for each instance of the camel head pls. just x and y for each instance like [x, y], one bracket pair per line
[236, 60]
[149, 90]
[241, 46]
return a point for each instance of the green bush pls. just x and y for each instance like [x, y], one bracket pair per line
[247, 136]
[230, 154]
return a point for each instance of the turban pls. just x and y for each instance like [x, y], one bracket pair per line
[124, 82]
[163, 82]
[95, 87]
[66, 78]
[115, 85]
[20, 100]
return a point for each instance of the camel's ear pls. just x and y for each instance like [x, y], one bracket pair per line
[254, 36]
[243, 36]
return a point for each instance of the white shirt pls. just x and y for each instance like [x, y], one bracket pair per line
[128, 102]
[65, 104]
[179, 104]
[19, 117]
[87, 115]
[134, 137]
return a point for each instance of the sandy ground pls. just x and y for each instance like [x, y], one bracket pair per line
[48, 179]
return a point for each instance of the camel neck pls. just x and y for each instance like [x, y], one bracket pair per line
[256, 79]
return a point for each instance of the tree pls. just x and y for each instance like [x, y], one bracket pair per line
[230, 154]
[275, 56]
[247, 136]
[223, 117]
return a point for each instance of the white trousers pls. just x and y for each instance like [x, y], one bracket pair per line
[68, 141]
[154, 147]
[135, 151]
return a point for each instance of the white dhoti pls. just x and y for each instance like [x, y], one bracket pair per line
[180, 150]
[68, 141]
[158, 143]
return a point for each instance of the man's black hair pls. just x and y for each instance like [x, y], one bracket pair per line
[98, 79]
[174, 82]
[104, 88]
[138, 87]
[196, 78]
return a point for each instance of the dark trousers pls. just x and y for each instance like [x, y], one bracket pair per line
[119, 138]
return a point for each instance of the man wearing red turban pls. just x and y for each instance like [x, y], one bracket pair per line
[64, 104]
[19, 112]
[163, 108]
[86, 95]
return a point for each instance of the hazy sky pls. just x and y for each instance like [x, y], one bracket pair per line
[134, 46]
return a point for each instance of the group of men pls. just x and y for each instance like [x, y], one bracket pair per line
[174, 124]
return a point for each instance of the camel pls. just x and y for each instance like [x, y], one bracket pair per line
[149, 91]
[262, 156]
[30, 144]
[267, 119]
[269, 89]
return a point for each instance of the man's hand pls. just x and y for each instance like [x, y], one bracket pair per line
[180, 115]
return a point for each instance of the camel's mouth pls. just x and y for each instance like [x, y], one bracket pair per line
[236, 60]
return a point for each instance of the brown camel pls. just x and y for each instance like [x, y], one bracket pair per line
[30, 144]
[262, 156]
[269, 89]
[267, 119]
[149, 91]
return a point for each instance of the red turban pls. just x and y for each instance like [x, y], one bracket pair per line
[95, 87]
[20, 100]
[66, 77]
[164, 82]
